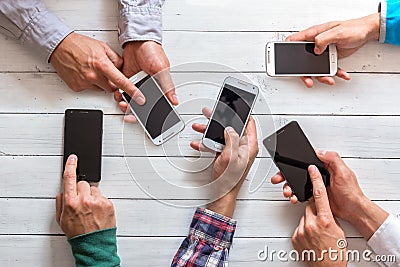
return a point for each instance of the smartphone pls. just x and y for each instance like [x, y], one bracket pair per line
[293, 154]
[157, 116]
[233, 108]
[83, 136]
[299, 59]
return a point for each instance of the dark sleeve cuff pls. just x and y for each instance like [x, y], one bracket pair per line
[212, 228]
[96, 249]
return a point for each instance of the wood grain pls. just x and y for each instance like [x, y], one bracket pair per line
[166, 220]
[25, 177]
[21, 251]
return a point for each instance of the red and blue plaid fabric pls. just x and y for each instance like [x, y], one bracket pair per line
[209, 241]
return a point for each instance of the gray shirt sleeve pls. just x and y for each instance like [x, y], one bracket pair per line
[140, 20]
[33, 25]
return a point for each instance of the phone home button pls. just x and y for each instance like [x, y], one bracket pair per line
[218, 146]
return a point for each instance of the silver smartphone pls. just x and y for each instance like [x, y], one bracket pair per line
[299, 59]
[157, 116]
[233, 108]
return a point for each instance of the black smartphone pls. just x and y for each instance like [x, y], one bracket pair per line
[293, 154]
[83, 136]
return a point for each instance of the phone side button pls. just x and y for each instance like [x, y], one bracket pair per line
[333, 59]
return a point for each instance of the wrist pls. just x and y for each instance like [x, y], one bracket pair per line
[373, 21]
[225, 205]
[368, 217]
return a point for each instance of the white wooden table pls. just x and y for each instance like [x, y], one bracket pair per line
[360, 119]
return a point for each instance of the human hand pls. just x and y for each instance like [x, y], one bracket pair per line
[344, 190]
[81, 208]
[348, 36]
[347, 201]
[85, 63]
[150, 57]
[318, 230]
[233, 163]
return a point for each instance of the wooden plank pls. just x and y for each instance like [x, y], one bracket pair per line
[55, 251]
[218, 16]
[352, 136]
[134, 217]
[365, 94]
[25, 177]
[221, 48]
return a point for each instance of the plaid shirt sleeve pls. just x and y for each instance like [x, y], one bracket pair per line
[209, 241]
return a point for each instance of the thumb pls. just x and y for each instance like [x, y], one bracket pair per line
[114, 57]
[324, 39]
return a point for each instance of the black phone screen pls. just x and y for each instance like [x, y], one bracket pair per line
[232, 109]
[83, 137]
[156, 115]
[293, 154]
[294, 58]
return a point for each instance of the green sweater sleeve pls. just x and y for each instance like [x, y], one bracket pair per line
[96, 249]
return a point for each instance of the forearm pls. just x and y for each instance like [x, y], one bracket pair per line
[368, 217]
[33, 25]
[140, 20]
[96, 249]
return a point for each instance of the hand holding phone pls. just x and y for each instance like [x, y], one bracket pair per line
[348, 36]
[157, 116]
[232, 165]
[233, 108]
[293, 154]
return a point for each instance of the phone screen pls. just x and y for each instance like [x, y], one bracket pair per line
[294, 58]
[156, 114]
[83, 137]
[232, 109]
[292, 155]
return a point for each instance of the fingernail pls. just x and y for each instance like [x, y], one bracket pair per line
[313, 169]
[321, 152]
[229, 129]
[72, 158]
[175, 98]
[140, 100]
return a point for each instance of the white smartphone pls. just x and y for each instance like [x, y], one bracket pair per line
[233, 108]
[157, 116]
[299, 59]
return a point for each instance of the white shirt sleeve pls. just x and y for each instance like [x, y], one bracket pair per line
[386, 241]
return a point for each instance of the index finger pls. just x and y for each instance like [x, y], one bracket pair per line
[251, 132]
[310, 33]
[319, 192]
[119, 79]
[167, 85]
[70, 176]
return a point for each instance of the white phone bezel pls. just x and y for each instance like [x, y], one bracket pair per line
[270, 61]
[245, 86]
[169, 133]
